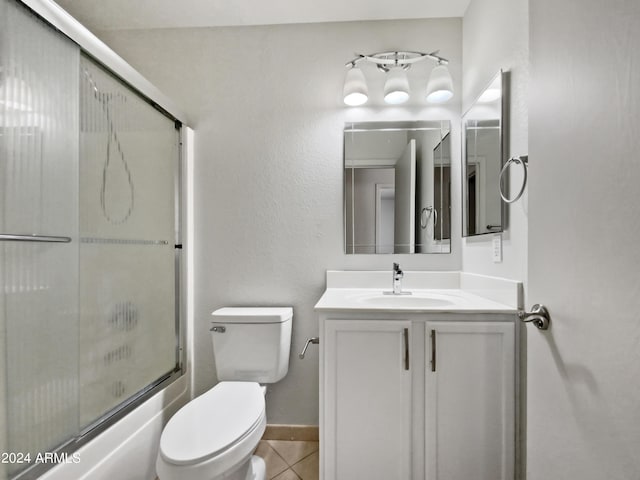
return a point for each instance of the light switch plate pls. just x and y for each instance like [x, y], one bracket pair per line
[497, 248]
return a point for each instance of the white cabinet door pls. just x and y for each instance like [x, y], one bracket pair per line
[366, 405]
[469, 401]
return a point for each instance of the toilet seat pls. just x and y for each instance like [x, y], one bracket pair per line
[213, 423]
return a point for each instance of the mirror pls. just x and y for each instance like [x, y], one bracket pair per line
[397, 187]
[483, 153]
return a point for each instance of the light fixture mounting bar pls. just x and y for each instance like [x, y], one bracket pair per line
[397, 58]
[397, 90]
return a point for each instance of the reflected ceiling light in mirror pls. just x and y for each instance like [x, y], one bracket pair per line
[396, 88]
[492, 93]
[355, 90]
[489, 96]
[440, 86]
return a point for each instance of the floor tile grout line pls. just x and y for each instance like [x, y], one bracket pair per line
[297, 461]
[296, 474]
[304, 458]
[280, 456]
[283, 459]
[290, 467]
[298, 477]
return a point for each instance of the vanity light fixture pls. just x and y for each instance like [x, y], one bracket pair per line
[396, 88]
[440, 86]
[355, 87]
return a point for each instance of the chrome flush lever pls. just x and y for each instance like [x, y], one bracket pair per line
[314, 340]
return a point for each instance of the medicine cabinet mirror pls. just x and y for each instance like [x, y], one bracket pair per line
[484, 146]
[397, 187]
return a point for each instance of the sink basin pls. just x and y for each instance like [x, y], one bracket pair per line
[416, 300]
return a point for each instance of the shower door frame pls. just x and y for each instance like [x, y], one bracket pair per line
[97, 51]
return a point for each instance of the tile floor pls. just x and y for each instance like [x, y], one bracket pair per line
[289, 460]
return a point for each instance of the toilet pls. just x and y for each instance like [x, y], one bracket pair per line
[213, 437]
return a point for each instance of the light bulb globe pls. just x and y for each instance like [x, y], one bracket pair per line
[355, 91]
[396, 88]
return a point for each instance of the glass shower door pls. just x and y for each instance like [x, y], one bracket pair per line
[39, 126]
[128, 152]
[88, 222]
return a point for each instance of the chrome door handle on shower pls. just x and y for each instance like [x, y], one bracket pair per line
[314, 340]
[8, 237]
[539, 316]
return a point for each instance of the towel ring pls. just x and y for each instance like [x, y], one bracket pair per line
[425, 220]
[522, 160]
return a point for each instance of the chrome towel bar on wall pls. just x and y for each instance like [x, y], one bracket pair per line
[522, 160]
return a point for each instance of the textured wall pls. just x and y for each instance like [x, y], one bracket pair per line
[266, 105]
[495, 36]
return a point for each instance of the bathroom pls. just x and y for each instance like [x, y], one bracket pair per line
[265, 200]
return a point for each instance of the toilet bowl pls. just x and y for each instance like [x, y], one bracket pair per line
[213, 436]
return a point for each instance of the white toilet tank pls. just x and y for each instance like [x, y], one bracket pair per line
[251, 344]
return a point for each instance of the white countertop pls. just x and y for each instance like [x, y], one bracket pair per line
[421, 300]
[442, 292]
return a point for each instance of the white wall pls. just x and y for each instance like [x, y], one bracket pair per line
[495, 36]
[266, 105]
[583, 401]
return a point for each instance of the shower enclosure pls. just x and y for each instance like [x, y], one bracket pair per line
[89, 225]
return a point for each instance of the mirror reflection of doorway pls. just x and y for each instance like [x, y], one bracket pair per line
[471, 199]
[385, 216]
[442, 196]
[405, 200]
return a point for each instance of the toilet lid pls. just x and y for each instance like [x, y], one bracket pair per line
[212, 422]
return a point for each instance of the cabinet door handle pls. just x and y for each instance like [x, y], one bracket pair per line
[406, 349]
[433, 350]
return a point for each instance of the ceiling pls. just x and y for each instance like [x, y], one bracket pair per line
[142, 14]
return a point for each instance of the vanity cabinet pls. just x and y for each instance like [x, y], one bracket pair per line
[417, 396]
[469, 401]
[367, 398]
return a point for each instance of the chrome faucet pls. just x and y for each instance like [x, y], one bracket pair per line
[397, 279]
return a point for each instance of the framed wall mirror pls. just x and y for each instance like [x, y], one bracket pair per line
[397, 187]
[484, 148]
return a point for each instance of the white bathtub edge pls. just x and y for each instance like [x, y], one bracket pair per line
[128, 449]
